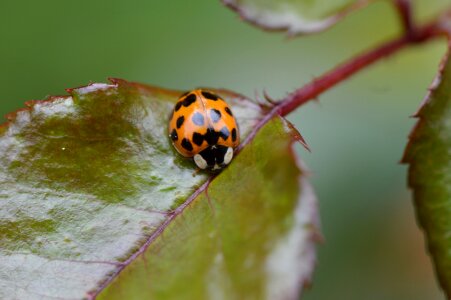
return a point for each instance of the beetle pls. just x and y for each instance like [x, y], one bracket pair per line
[202, 126]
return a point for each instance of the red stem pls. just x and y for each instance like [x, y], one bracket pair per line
[290, 103]
[349, 68]
[321, 84]
[405, 14]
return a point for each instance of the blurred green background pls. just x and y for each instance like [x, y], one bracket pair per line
[373, 248]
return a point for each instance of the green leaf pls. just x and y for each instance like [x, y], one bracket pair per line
[429, 156]
[248, 236]
[90, 184]
[294, 16]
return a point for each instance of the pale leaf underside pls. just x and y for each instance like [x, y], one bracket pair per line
[294, 16]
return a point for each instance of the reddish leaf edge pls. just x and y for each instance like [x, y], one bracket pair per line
[114, 83]
[292, 32]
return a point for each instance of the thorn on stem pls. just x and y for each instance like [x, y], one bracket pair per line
[269, 99]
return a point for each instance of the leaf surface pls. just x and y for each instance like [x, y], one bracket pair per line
[294, 16]
[94, 199]
[249, 235]
[429, 157]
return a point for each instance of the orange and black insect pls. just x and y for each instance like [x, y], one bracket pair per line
[203, 127]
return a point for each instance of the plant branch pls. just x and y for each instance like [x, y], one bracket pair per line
[351, 67]
[404, 8]
[293, 101]
[333, 77]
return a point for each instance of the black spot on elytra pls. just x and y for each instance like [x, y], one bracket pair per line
[220, 153]
[198, 138]
[211, 136]
[190, 99]
[234, 134]
[174, 135]
[180, 121]
[224, 133]
[187, 145]
[210, 96]
[178, 105]
[228, 111]
[215, 115]
[209, 156]
[198, 119]
[214, 155]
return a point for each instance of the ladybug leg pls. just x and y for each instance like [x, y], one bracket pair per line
[196, 171]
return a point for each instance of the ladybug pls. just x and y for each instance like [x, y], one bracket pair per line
[203, 127]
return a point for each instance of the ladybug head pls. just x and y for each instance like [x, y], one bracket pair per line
[214, 157]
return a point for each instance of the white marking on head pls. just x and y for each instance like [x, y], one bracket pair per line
[200, 161]
[228, 156]
[216, 167]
